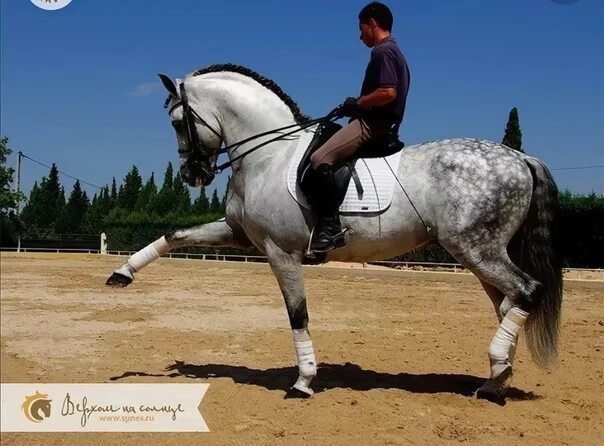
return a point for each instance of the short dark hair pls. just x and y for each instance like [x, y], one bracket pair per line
[378, 12]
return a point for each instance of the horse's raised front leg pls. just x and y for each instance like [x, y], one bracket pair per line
[288, 271]
[217, 233]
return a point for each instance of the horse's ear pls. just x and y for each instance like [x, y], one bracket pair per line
[169, 84]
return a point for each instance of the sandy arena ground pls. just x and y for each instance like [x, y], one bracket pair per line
[401, 352]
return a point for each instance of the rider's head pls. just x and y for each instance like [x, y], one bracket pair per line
[375, 23]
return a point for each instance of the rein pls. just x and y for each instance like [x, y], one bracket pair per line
[299, 128]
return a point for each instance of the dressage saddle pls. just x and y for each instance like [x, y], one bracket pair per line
[373, 149]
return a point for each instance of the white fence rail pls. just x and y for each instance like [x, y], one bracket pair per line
[258, 259]
[56, 250]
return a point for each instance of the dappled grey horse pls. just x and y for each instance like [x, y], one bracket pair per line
[493, 208]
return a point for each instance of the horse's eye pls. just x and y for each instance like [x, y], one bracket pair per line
[177, 125]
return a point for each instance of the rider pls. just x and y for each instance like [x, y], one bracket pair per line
[378, 111]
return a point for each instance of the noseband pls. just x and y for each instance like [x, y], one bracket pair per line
[199, 154]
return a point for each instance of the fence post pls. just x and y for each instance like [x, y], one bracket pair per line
[103, 243]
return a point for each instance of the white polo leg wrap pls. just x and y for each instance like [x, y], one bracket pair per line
[503, 345]
[307, 364]
[149, 254]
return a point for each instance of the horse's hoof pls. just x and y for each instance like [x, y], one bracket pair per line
[118, 280]
[296, 393]
[492, 395]
[495, 389]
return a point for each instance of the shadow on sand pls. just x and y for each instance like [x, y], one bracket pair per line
[334, 376]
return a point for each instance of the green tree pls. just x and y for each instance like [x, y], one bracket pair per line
[165, 200]
[72, 216]
[168, 178]
[94, 221]
[215, 203]
[513, 135]
[113, 194]
[131, 190]
[182, 196]
[582, 229]
[147, 195]
[201, 205]
[9, 200]
[45, 204]
[120, 197]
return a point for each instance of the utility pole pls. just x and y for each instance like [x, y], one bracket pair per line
[19, 155]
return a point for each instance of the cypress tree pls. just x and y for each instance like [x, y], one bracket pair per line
[97, 212]
[45, 203]
[120, 197]
[215, 203]
[30, 211]
[513, 135]
[182, 196]
[168, 178]
[165, 200]
[72, 215]
[201, 205]
[113, 197]
[133, 183]
[147, 195]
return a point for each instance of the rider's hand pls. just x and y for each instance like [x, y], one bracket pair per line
[350, 107]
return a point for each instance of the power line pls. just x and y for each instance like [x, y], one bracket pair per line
[597, 166]
[62, 173]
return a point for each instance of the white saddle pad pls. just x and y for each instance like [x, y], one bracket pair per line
[375, 175]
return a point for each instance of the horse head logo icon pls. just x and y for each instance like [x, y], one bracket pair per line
[36, 407]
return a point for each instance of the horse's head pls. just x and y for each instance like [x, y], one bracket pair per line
[198, 140]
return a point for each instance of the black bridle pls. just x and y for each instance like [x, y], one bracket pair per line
[200, 155]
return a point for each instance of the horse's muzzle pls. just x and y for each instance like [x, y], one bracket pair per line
[197, 173]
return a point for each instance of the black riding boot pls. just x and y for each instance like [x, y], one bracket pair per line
[327, 234]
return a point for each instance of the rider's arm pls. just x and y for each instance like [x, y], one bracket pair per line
[380, 96]
[386, 66]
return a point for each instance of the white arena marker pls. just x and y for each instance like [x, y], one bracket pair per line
[102, 407]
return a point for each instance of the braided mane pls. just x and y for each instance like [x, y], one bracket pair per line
[300, 117]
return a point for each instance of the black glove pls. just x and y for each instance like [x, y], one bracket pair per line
[350, 107]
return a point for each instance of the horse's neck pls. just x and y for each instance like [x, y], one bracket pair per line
[246, 108]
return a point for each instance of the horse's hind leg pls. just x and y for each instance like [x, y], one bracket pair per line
[516, 293]
[502, 306]
[217, 233]
[496, 297]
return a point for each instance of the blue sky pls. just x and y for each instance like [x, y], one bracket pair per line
[79, 85]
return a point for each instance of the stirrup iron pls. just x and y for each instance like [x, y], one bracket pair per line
[338, 242]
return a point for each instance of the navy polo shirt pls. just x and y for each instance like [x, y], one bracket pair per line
[387, 68]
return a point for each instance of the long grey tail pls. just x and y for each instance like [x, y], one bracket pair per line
[541, 259]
